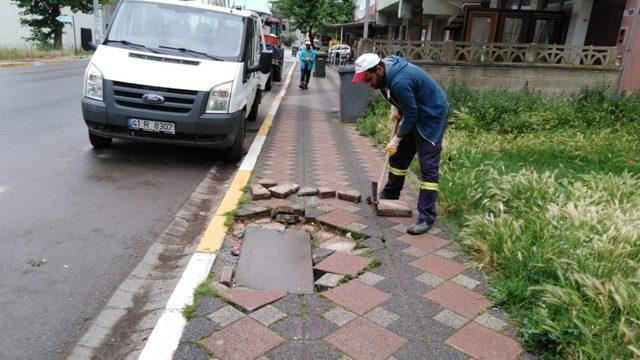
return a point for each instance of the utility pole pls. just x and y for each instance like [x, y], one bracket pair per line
[366, 21]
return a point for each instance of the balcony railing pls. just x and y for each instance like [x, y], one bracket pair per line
[467, 53]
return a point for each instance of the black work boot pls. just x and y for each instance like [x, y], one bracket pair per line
[419, 227]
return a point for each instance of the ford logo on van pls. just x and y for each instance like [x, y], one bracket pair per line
[153, 98]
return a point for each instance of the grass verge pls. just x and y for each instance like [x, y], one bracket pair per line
[545, 195]
[14, 54]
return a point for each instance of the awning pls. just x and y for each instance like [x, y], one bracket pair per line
[351, 25]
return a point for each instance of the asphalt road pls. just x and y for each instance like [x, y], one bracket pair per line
[90, 214]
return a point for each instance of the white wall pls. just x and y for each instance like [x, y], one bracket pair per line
[12, 33]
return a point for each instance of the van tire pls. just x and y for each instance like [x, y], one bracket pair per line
[253, 114]
[267, 86]
[99, 142]
[277, 73]
[234, 152]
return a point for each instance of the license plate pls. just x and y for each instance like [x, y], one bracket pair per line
[152, 126]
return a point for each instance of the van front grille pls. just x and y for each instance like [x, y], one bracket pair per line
[175, 100]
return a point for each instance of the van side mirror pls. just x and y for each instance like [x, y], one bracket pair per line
[86, 39]
[265, 61]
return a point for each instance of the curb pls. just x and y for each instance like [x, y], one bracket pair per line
[11, 64]
[165, 337]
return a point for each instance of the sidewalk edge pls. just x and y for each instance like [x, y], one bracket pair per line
[165, 337]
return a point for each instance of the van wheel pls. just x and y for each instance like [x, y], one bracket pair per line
[277, 74]
[267, 86]
[234, 152]
[253, 114]
[99, 142]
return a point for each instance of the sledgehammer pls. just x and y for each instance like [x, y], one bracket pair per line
[386, 207]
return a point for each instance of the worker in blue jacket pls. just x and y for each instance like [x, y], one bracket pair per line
[422, 105]
[307, 60]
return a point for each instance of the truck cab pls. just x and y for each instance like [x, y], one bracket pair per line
[175, 72]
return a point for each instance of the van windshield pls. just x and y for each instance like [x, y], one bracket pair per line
[157, 26]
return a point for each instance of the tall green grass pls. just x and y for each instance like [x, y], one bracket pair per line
[34, 54]
[546, 195]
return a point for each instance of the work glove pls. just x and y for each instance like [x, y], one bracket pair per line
[392, 147]
[394, 114]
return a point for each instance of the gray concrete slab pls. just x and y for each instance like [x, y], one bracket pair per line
[275, 260]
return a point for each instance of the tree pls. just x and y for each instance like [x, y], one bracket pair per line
[40, 16]
[313, 16]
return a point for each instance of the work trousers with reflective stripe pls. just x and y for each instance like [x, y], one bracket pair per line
[429, 159]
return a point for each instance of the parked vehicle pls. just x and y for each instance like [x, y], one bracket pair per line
[337, 52]
[272, 28]
[176, 72]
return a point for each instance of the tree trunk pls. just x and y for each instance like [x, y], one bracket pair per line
[57, 34]
[57, 39]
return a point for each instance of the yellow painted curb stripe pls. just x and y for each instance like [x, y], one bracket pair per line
[264, 129]
[215, 232]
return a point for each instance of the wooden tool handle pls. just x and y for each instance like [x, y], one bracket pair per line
[386, 157]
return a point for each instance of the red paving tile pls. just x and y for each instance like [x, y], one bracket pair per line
[438, 265]
[339, 218]
[484, 344]
[344, 264]
[252, 299]
[244, 339]
[458, 299]
[425, 242]
[272, 202]
[364, 340]
[357, 296]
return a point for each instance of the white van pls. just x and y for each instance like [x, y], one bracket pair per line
[175, 72]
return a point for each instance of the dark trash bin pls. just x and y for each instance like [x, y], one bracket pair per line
[354, 98]
[294, 51]
[321, 63]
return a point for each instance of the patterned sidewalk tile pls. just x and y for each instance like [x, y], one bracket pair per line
[362, 339]
[438, 265]
[345, 264]
[482, 343]
[251, 300]
[339, 218]
[232, 341]
[458, 299]
[356, 296]
[425, 242]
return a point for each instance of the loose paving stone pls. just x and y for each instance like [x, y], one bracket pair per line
[425, 242]
[445, 253]
[370, 278]
[251, 210]
[465, 281]
[356, 296]
[482, 343]
[326, 192]
[351, 208]
[259, 192]
[338, 243]
[284, 190]
[438, 265]
[394, 208]
[430, 279]
[490, 321]
[362, 339]
[272, 260]
[226, 276]
[231, 342]
[459, 299]
[251, 300]
[329, 280]
[190, 351]
[267, 183]
[208, 304]
[344, 264]
[307, 191]
[353, 196]
[226, 316]
[339, 218]
[320, 254]
[325, 208]
[321, 236]
[451, 319]
[197, 328]
[339, 316]
[381, 316]
[268, 315]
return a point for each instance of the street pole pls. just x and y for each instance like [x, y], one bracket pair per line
[75, 41]
[366, 21]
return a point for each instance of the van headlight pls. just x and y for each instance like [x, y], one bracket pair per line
[93, 83]
[219, 98]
